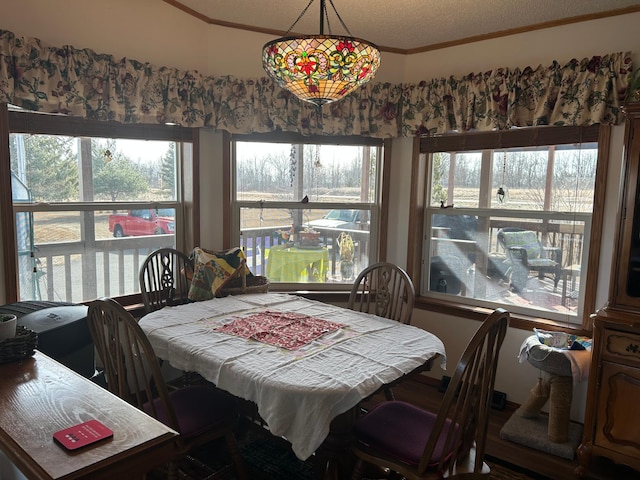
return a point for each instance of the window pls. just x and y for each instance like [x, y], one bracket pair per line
[90, 202]
[508, 220]
[306, 213]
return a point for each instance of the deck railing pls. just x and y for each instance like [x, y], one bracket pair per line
[76, 272]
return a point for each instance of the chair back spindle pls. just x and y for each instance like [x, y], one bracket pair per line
[165, 278]
[383, 289]
[468, 398]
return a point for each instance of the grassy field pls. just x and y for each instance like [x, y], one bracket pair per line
[65, 226]
[53, 227]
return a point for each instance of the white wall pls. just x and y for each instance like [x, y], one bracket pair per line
[540, 47]
[211, 198]
[152, 31]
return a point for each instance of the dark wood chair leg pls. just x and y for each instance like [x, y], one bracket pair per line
[388, 393]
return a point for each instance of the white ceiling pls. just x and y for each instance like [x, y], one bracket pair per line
[402, 25]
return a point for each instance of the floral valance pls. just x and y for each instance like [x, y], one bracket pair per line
[81, 82]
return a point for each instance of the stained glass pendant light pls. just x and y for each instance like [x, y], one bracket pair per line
[320, 68]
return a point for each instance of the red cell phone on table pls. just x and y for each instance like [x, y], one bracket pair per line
[82, 434]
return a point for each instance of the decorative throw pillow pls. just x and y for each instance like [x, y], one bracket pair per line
[212, 270]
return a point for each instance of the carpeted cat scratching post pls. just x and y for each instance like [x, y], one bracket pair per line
[561, 392]
[553, 434]
[537, 398]
[558, 390]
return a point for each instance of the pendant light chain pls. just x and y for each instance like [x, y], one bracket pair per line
[326, 16]
[339, 18]
[299, 17]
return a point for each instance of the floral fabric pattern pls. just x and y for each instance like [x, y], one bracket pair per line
[212, 271]
[81, 82]
[288, 330]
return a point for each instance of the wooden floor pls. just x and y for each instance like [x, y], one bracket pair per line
[425, 393]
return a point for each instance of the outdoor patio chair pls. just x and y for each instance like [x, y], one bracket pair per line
[526, 254]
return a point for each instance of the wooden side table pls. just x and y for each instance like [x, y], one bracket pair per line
[39, 396]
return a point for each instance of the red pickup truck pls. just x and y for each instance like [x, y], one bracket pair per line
[148, 221]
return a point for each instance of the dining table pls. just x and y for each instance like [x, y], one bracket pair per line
[305, 364]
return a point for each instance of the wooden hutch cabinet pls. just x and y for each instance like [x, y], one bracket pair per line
[612, 420]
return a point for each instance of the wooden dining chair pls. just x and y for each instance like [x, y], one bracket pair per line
[165, 278]
[419, 444]
[200, 414]
[383, 289]
[386, 290]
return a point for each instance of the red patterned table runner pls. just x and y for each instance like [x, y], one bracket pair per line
[282, 329]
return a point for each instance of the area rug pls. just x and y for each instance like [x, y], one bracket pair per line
[268, 458]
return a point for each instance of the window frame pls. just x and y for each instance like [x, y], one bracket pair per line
[534, 136]
[187, 231]
[231, 213]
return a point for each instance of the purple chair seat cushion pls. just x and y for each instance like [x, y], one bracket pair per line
[400, 430]
[197, 409]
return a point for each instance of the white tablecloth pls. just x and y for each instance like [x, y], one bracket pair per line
[299, 392]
